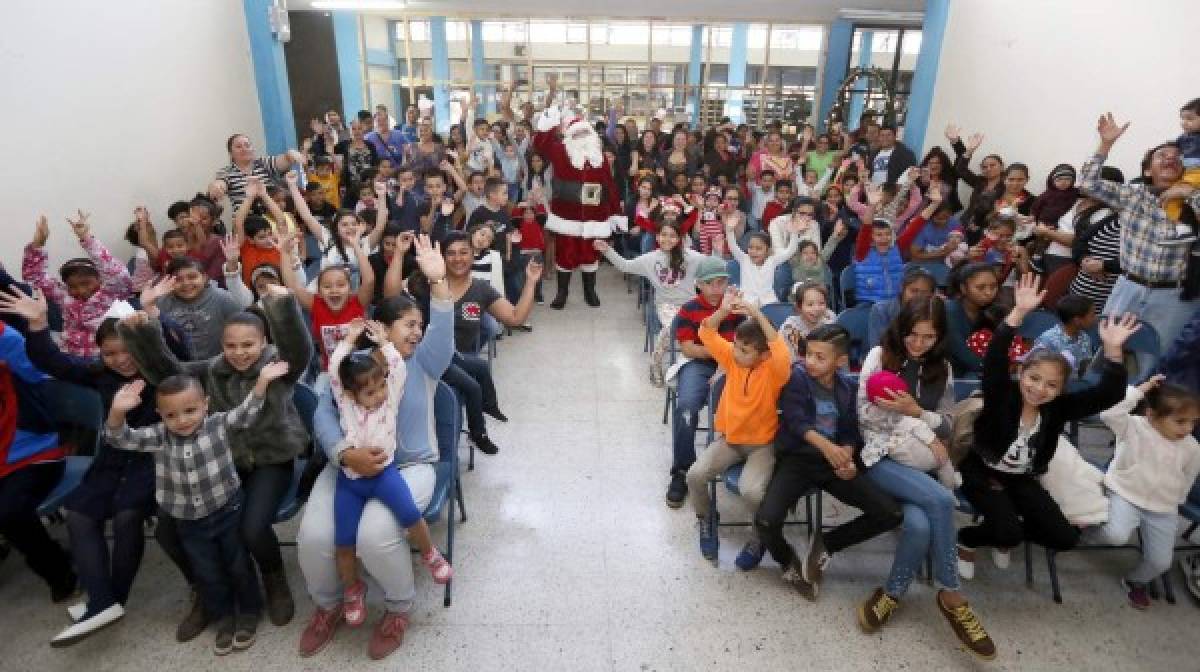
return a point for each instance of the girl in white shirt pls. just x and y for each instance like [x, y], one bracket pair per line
[1155, 464]
[756, 265]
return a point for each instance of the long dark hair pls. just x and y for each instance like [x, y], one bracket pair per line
[948, 174]
[532, 173]
[675, 257]
[934, 370]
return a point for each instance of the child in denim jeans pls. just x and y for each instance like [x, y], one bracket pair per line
[196, 483]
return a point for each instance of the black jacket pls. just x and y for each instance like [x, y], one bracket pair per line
[799, 411]
[996, 427]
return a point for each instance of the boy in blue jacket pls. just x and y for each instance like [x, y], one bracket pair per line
[818, 446]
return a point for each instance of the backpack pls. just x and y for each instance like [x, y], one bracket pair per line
[962, 426]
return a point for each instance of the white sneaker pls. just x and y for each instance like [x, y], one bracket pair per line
[1002, 558]
[966, 568]
[76, 611]
[84, 628]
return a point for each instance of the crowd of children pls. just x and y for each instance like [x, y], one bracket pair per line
[198, 346]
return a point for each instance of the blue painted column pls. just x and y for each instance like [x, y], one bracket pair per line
[486, 92]
[441, 73]
[837, 64]
[737, 71]
[693, 74]
[920, 100]
[271, 79]
[857, 99]
[349, 62]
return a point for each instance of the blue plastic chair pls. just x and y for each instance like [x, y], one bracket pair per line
[1146, 347]
[735, 272]
[846, 283]
[854, 320]
[939, 271]
[1037, 323]
[777, 313]
[305, 400]
[965, 387]
[672, 353]
[74, 406]
[447, 487]
[782, 282]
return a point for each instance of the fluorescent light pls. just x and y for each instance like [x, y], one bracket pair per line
[365, 5]
[880, 15]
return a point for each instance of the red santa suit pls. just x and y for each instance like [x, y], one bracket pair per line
[584, 201]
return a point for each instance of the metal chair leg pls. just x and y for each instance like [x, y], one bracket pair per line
[1052, 565]
[449, 541]
[1168, 590]
[462, 505]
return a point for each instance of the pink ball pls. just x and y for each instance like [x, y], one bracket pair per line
[882, 383]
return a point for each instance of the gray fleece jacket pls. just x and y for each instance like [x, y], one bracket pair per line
[277, 435]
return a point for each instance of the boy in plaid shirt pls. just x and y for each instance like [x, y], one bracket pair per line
[196, 483]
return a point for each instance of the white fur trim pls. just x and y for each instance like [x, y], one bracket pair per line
[590, 229]
[550, 119]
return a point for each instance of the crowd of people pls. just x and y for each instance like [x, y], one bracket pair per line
[377, 259]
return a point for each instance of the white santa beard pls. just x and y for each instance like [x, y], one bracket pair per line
[584, 150]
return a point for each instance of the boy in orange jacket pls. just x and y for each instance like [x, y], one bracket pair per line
[757, 366]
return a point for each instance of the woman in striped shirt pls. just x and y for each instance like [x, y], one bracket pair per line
[1097, 246]
[243, 164]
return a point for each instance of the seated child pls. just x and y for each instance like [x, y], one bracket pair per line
[1078, 315]
[757, 366]
[817, 446]
[757, 264]
[368, 395]
[811, 300]
[710, 227]
[488, 264]
[903, 438]
[329, 179]
[197, 485]
[1155, 464]
[779, 206]
[808, 264]
[88, 287]
[197, 305]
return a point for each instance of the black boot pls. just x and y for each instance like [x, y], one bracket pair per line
[564, 284]
[280, 607]
[589, 289]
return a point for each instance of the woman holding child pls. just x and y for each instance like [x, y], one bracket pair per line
[914, 349]
[381, 540]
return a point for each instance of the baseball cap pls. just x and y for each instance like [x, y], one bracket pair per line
[711, 268]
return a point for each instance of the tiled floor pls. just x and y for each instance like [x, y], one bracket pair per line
[571, 561]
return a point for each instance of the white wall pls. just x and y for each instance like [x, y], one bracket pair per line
[110, 105]
[1034, 75]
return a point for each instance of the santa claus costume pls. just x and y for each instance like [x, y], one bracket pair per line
[584, 202]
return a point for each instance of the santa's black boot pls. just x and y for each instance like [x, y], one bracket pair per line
[564, 284]
[589, 289]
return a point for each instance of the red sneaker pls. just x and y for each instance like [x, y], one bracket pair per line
[354, 604]
[388, 635]
[438, 566]
[320, 630]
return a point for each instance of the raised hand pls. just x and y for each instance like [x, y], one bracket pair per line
[600, 245]
[404, 242]
[429, 258]
[231, 245]
[293, 179]
[277, 290]
[41, 231]
[380, 192]
[273, 371]
[1115, 331]
[974, 142]
[1151, 383]
[141, 215]
[1092, 266]
[32, 307]
[839, 229]
[154, 292]
[534, 270]
[952, 133]
[1109, 129]
[1027, 298]
[136, 319]
[355, 329]
[80, 224]
[128, 396]
[376, 332]
[912, 173]
[447, 207]
[255, 188]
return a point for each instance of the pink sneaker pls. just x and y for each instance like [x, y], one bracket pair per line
[440, 569]
[354, 604]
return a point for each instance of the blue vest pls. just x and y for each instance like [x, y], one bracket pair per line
[877, 278]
